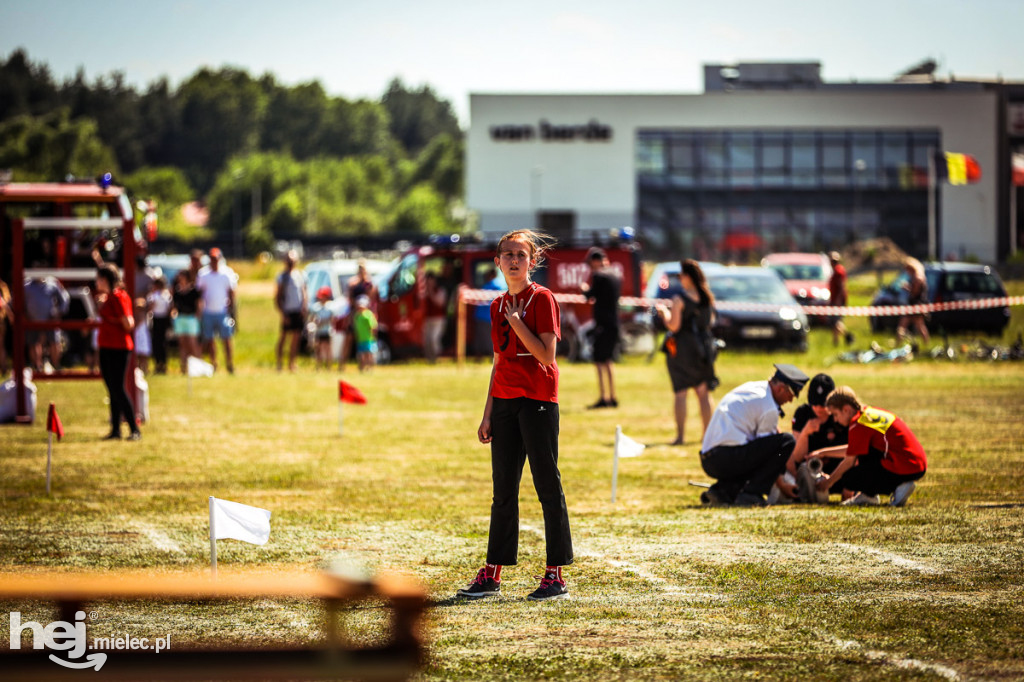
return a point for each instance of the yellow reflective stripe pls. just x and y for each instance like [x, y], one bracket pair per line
[876, 419]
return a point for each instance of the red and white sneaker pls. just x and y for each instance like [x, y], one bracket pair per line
[482, 586]
[551, 587]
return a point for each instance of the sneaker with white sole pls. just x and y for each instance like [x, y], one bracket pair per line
[902, 492]
[550, 588]
[862, 500]
[482, 586]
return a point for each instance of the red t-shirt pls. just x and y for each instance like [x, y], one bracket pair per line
[873, 429]
[837, 285]
[519, 374]
[112, 334]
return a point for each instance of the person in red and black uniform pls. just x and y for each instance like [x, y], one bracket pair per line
[520, 419]
[115, 346]
[814, 429]
[883, 456]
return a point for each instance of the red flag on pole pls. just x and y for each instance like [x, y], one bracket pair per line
[53, 424]
[347, 393]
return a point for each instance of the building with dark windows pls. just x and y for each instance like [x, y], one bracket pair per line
[768, 158]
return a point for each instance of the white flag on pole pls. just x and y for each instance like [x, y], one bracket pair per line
[239, 521]
[198, 367]
[629, 447]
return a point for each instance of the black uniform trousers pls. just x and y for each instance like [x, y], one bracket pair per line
[114, 369]
[871, 478]
[160, 327]
[751, 468]
[522, 428]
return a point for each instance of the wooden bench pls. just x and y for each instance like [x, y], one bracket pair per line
[398, 658]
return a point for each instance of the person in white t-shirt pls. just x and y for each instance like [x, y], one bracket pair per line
[158, 305]
[216, 301]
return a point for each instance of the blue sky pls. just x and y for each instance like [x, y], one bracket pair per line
[355, 48]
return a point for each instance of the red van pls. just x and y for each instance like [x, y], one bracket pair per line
[403, 301]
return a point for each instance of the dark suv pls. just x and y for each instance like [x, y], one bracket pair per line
[951, 282]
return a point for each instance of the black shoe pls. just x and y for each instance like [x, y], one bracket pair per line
[613, 403]
[482, 586]
[750, 500]
[113, 435]
[136, 435]
[849, 338]
[713, 498]
[598, 405]
[550, 588]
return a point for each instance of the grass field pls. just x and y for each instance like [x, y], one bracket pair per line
[662, 588]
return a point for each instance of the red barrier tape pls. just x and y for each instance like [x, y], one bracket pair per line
[480, 296]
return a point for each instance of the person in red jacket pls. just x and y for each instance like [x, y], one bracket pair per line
[837, 296]
[115, 347]
[520, 419]
[883, 456]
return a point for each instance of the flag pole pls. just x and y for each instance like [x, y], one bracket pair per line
[615, 462]
[932, 191]
[341, 418]
[49, 455]
[213, 543]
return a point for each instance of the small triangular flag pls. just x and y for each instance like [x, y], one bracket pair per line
[629, 447]
[347, 393]
[53, 424]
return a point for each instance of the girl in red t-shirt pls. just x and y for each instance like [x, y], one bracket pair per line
[115, 346]
[521, 418]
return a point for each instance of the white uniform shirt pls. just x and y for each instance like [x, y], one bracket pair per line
[745, 413]
[215, 288]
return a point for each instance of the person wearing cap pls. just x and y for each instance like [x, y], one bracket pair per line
[837, 296]
[743, 448]
[814, 429]
[604, 289]
[321, 316]
[291, 301]
[882, 457]
[364, 328]
[216, 300]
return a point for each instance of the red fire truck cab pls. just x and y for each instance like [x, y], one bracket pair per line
[403, 290]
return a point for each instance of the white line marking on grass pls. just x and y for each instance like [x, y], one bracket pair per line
[159, 538]
[898, 661]
[894, 559]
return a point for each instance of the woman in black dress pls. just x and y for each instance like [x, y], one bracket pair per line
[689, 347]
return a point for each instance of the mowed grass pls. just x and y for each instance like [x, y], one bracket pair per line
[661, 589]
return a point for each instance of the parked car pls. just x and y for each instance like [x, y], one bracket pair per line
[784, 325]
[950, 282]
[806, 276]
[662, 282]
[335, 274]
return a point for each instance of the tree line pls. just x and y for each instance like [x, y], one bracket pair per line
[267, 158]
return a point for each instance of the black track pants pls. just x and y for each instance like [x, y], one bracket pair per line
[521, 428]
[750, 468]
[114, 369]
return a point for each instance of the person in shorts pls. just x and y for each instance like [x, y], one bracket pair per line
[216, 300]
[364, 327]
[290, 300]
[322, 317]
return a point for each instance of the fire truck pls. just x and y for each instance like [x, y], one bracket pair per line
[50, 230]
[402, 308]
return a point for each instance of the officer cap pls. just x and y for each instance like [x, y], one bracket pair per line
[791, 376]
[821, 386]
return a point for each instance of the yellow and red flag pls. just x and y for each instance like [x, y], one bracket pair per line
[957, 169]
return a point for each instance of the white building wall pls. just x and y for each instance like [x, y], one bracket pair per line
[506, 182]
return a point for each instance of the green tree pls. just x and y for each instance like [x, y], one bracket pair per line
[26, 89]
[423, 210]
[221, 113]
[417, 116]
[294, 120]
[440, 164]
[53, 146]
